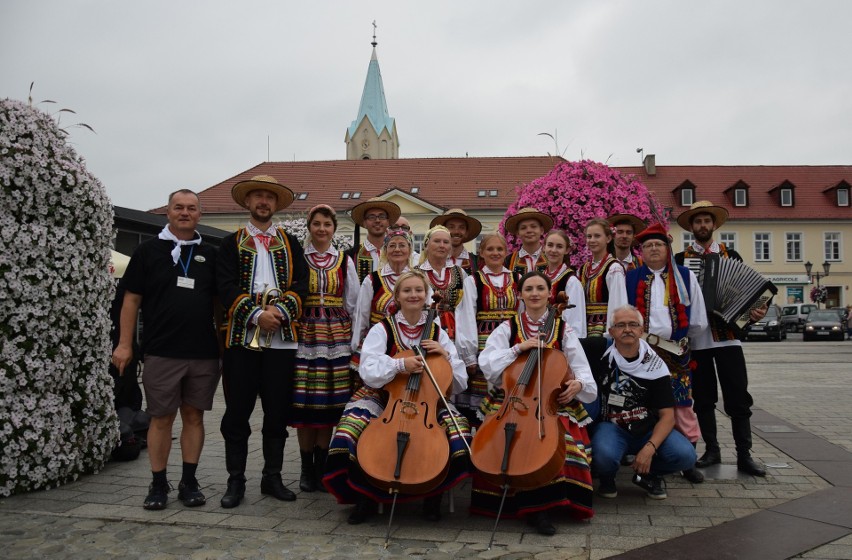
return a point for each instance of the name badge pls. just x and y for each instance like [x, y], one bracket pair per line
[184, 282]
[615, 400]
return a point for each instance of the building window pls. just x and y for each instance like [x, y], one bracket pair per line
[303, 195]
[843, 197]
[786, 197]
[832, 246]
[356, 194]
[480, 193]
[415, 190]
[477, 242]
[729, 238]
[687, 196]
[344, 195]
[762, 250]
[740, 197]
[418, 242]
[492, 193]
[688, 238]
[794, 246]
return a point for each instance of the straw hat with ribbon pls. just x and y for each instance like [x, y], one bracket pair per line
[392, 210]
[266, 183]
[720, 215]
[635, 221]
[474, 226]
[528, 213]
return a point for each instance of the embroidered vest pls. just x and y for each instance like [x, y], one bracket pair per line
[516, 264]
[395, 345]
[382, 304]
[638, 283]
[597, 294]
[325, 285]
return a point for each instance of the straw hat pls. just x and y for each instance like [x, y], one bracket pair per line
[528, 213]
[392, 210]
[635, 221]
[266, 183]
[720, 215]
[474, 226]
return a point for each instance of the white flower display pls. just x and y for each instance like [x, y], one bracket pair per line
[57, 418]
[297, 226]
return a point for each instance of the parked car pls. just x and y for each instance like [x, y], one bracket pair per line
[793, 315]
[770, 327]
[823, 324]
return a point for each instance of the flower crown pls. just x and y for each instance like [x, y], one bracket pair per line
[399, 233]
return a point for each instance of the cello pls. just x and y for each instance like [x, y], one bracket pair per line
[522, 445]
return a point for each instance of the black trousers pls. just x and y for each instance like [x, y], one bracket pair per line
[248, 374]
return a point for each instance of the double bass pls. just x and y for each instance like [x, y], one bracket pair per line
[522, 445]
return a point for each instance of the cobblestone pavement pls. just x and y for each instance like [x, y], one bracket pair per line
[100, 515]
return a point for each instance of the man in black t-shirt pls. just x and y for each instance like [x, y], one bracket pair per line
[172, 280]
[637, 413]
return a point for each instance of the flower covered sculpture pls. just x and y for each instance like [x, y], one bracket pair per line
[575, 192]
[57, 418]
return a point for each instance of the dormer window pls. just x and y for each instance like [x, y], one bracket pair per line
[685, 193]
[740, 197]
[786, 196]
[843, 197]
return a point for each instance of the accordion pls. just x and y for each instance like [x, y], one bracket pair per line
[731, 288]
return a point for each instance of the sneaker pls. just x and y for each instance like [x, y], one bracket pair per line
[158, 496]
[653, 485]
[190, 494]
[607, 489]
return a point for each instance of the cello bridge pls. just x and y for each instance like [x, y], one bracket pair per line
[409, 407]
[518, 404]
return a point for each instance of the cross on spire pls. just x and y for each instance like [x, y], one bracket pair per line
[374, 33]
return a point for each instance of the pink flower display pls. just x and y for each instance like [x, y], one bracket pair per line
[575, 192]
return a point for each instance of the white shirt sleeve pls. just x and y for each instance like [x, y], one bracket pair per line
[576, 316]
[698, 320]
[467, 336]
[617, 287]
[377, 369]
[497, 354]
[351, 289]
[579, 364]
[361, 317]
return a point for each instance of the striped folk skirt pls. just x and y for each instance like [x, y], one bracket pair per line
[322, 382]
[346, 481]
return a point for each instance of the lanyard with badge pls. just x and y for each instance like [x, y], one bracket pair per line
[185, 281]
[614, 399]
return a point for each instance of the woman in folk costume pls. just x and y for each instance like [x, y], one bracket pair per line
[602, 279]
[529, 226]
[571, 489]
[447, 281]
[375, 297]
[401, 331]
[490, 298]
[563, 279]
[321, 386]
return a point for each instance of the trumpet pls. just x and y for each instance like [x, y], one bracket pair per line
[266, 299]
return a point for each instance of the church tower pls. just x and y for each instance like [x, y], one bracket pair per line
[372, 135]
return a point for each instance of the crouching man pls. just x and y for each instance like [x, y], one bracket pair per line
[637, 416]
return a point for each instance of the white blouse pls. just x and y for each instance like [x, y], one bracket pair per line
[498, 355]
[377, 369]
[361, 317]
[351, 287]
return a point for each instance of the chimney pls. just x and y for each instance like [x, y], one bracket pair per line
[650, 163]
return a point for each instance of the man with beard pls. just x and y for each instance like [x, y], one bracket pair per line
[462, 228]
[625, 227]
[259, 260]
[637, 413]
[374, 215]
[718, 352]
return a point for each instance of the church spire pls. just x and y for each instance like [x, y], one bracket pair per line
[372, 135]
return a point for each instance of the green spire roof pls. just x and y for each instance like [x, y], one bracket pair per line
[373, 103]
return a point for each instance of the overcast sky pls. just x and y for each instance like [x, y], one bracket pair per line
[184, 94]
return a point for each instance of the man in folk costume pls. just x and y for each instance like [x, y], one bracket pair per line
[529, 225]
[261, 338]
[624, 230]
[376, 216]
[463, 228]
[718, 352]
[637, 412]
[669, 319]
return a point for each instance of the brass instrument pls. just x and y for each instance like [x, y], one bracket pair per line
[266, 299]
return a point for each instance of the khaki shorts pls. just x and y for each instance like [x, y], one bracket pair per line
[171, 382]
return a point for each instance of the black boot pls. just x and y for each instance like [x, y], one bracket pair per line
[306, 480]
[541, 521]
[741, 429]
[693, 475]
[362, 511]
[235, 462]
[710, 457]
[432, 508]
[273, 459]
[320, 455]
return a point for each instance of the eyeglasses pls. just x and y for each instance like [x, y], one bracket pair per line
[631, 325]
[653, 245]
[402, 227]
[374, 217]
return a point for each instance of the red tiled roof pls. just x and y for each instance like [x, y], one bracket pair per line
[456, 182]
[443, 182]
[813, 189]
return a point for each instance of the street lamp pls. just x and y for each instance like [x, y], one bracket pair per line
[826, 267]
